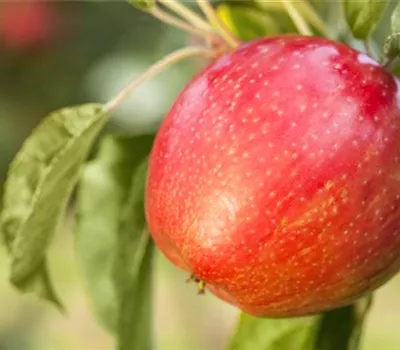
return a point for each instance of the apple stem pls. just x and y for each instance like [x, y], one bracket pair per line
[369, 49]
[217, 23]
[201, 285]
[298, 20]
[156, 68]
[189, 15]
[158, 13]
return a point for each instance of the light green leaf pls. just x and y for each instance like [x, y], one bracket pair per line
[113, 245]
[395, 19]
[144, 5]
[274, 12]
[247, 3]
[332, 330]
[305, 9]
[392, 44]
[247, 22]
[331, 13]
[253, 19]
[271, 334]
[363, 15]
[311, 15]
[39, 184]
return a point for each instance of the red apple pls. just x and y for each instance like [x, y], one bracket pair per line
[25, 24]
[275, 177]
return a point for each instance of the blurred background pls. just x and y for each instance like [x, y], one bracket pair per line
[54, 54]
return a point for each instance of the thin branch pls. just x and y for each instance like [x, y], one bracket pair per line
[296, 17]
[186, 13]
[178, 23]
[369, 49]
[156, 68]
[215, 21]
[314, 17]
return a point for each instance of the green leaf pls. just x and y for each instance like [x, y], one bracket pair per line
[392, 44]
[132, 271]
[363, 15]
[341, 328]
[39, 184]
[247, 22]
[332, 330]
[311, 15]
[144, 5]
[331, 13]
[395, 19]
[135, 321]
[269, 17]
[271, 334]
[247, 3]
[274, 15]
[279, 13]
[113, 245]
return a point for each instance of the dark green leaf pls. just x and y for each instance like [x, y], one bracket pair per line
[341, 328]
[135, 321]
[333, 330]
[392, 44]
[363, 15]
[39, 184]
[132, 271]
[112, 242]
[247, 22]
[143, 4]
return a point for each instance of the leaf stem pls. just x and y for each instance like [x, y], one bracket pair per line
[315, 18]
[363, 307]
[189, 15]
[158, 13]
[156, 68]
[369, 49]
[296, 17]
[215, 21]
[390, 63]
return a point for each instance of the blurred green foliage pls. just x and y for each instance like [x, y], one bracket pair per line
[97, 48]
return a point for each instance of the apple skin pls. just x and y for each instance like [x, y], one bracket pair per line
[275, 177]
